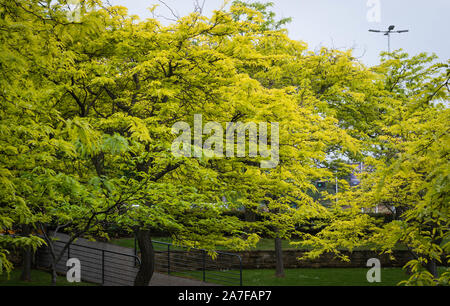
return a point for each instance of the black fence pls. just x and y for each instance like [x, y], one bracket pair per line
[100, 266]
[218, 268]
[111, 266]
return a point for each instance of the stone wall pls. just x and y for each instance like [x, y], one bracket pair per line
[257, 259]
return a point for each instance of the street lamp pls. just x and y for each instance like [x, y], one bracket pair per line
[388, 34]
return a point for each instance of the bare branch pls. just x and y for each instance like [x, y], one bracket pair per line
[198, 8]
[173, 12]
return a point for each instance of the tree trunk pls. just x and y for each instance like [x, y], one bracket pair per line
[27, 255]
[53, 260]
[431, 266]
[147, 267]
[26, 265]
[279, 258]
[250, 216]
[53, 273]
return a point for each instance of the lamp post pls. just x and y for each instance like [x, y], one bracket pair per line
[388, 34]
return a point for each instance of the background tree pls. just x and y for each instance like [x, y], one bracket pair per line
[408, 159]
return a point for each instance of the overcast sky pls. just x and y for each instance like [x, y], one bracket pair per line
[344, 24]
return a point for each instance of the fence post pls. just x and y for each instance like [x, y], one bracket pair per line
[168, 259]
[204, 265]
[103, 267]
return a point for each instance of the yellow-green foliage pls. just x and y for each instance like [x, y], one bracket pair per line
[86, 111]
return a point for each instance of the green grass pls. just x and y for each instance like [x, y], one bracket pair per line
[38, 278]
[322, 277]
[129, 242]
[311, 277]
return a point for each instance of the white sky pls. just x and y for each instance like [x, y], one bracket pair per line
[344, 24]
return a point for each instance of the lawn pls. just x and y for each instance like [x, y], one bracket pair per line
[38, 277]
[260, 277]
[129, 242]
[311, 277]
[322, 277]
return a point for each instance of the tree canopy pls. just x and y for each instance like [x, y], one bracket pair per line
[87, 110]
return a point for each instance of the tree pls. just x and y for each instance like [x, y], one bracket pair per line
[96, 157]
[39, 190]
[25, 122]
[116, 87]
[409, 173]
[88, 112]
[316, 81]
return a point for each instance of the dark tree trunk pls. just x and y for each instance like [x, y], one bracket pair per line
[26, 265]
[53, 256]
[250, 216]
[431, 266]
[53, 273]
[147, 267]
[27, 256]
[399, 211]
[279, 258]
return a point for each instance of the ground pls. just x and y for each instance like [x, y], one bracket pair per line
[261, 277]
[38, 277]
[322, 277]
[317, 277]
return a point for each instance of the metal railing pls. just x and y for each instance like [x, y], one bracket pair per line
[99, 265]
[223, 268]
